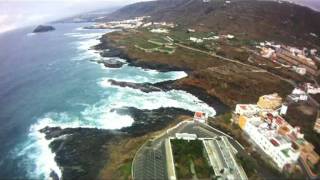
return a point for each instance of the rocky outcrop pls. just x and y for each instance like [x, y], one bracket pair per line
[169, 85]
[110, 63]
[150, 120]
[82, 152]
[144, 87]
[42, 28]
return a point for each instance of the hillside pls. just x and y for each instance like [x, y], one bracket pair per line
[261, 20]
[226, 70]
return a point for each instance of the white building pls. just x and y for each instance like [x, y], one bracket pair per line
[247, 109]
[230, 36]
[147, 24]
[196, 40]
[297, 98]
[298, 95]
[300, 70]
[311, 89]
[186, 136]
[191, 30]
[159, 30]
[284, 109]
[200, 117]
[267, 52]
[277, 146]
[212, 38]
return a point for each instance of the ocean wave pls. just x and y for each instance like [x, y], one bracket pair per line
[82, 36]
[31, 34]
[101, 114]
[128, 97]
[139, 75]
[36, 149]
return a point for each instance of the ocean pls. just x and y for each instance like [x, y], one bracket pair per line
[48, 79]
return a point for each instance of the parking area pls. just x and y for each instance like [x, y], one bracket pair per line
[150, 161]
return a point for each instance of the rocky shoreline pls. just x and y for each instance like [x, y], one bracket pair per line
[82, 152]
[107, 50]
[201, 94]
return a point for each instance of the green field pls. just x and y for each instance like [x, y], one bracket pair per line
[190, 160]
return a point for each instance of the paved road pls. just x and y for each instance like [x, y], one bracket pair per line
[150, 160]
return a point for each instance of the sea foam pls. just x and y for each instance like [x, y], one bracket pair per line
[101, 114]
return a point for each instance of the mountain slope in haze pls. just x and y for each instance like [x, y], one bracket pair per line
[314, 4]
[263, 20]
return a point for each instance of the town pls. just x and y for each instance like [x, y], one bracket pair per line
[265, 126]
[193, 148]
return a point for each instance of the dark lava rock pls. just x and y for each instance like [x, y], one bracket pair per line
[150, 120]
[54, 175]
[109, 51]
[82, 152]
[110, 63]
[144, 87]
[51, 132]
[200, 93]
[42, 28]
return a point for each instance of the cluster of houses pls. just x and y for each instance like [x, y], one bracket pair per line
[133, 24]
[302, 92]
[124, 24]
[159, 30]
[201, 40]
[303, 61]
[283, 143]
[159, 24]
[207, 1]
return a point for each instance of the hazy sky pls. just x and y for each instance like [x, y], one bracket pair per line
[19, 13]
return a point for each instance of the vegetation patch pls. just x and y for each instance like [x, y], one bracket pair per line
[189, 160]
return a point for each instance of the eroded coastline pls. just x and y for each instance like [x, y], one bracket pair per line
[74, 147]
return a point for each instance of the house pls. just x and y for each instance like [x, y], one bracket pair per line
[229, 36]
[265, 136]
[298, 95]
[267, 52]
[284, 143]
[300, 70]
[191, 30]
[296, 57]
[311, 89]
[271, 101]
[200, 117]
[196, 40]
[186, 136]
[159, 30]
[247, 109]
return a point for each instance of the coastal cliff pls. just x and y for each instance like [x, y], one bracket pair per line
[82, 153]
[214, 78]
